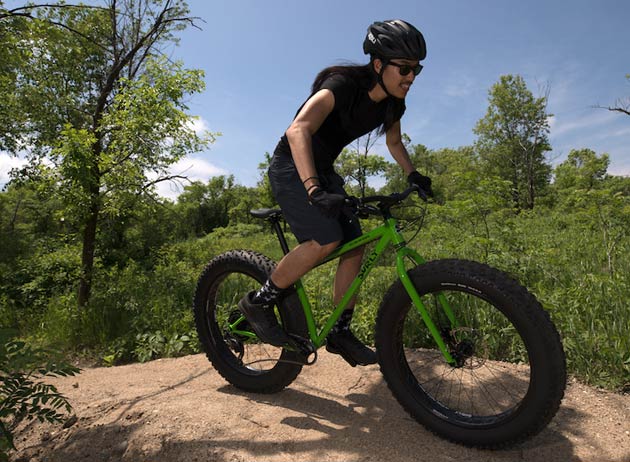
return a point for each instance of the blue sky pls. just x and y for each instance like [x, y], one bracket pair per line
[260, 58]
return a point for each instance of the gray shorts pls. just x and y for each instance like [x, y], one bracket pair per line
[307, 221]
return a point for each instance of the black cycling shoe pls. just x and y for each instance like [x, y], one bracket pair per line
[344, 343]
[263, 321]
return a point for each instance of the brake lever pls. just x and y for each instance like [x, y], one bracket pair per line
[356, 206]
[422, 194]
[351, 204]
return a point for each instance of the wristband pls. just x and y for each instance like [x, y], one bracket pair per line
[308, 190]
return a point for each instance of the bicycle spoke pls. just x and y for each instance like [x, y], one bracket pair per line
[249, 353]
[482, 383]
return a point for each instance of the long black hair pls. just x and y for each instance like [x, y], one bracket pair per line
[365, 77]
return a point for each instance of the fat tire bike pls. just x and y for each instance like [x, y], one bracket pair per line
[465, 349]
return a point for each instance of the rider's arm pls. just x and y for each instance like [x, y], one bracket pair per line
[299, 134]
[393, 138]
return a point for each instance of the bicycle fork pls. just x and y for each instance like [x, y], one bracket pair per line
[407, 283]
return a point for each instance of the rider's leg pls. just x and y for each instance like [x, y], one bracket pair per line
[349, 265]
[258, 306]
[341, 340]
[318, 234]
[300, 261]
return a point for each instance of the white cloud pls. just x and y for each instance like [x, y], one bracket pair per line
[7, 163]
[621, 170]
[198, 124]
[622, 132]
[194, 168]
[564, 125]
[459, 86]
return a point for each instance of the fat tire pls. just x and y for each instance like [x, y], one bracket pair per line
[546, 355]
[258, 267]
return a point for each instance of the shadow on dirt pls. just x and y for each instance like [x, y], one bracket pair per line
[366, 425]
[374, 427]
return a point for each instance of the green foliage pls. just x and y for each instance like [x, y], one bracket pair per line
[264, 194]
[23, 394]
[201, 208]
[155, 345]
[572, 256]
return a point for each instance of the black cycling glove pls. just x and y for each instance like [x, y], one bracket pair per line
[329, 204]
[423, 182]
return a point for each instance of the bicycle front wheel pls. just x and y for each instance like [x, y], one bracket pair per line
[230, 344]
[508, 376]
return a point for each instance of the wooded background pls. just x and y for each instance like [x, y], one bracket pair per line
[93, 262]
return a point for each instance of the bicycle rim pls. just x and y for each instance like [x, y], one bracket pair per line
[241, 348]
[492, 372]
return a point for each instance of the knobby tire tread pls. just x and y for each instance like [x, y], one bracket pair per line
[259, 267]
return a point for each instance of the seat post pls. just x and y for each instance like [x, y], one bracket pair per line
[275, 222]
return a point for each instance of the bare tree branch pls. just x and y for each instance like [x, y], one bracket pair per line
[625, 111]
[621, 105]
[175, 178]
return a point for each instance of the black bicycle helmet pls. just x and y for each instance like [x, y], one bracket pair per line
[394, 39]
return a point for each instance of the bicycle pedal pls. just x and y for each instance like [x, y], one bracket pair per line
[304, 349]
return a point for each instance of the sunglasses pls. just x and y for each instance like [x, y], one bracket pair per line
[405, 69]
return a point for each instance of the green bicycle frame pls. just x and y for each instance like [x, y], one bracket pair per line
[385, 234]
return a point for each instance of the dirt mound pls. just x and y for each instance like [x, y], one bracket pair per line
[182, 410]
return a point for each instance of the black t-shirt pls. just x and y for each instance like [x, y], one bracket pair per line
[354, 115]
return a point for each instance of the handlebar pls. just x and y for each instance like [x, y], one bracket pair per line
[362, 207]
[395, 197]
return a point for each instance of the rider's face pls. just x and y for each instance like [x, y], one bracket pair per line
[398, 85]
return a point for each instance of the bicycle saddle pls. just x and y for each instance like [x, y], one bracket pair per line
[266, 213]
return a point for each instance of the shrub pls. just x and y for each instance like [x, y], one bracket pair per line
[23, 394]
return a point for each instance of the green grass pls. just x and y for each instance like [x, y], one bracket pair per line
[138, 313]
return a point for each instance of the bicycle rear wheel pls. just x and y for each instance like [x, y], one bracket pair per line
[230, 344]
[509, 374]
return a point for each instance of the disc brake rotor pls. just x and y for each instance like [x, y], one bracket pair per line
[467, 347]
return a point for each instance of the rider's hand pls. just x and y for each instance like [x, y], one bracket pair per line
[329, 204]
[423, 182]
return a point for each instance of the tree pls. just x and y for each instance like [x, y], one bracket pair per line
[597, 199]
[357, 164]
[455, 172]
[423, 160]
[95, 97]
[263, 192]
[583, 169]
[203, 207]
[513, 139]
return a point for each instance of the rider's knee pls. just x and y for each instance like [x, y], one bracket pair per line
[323, 250]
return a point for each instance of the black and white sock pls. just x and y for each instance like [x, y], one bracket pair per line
[267, 293]
[343, 324]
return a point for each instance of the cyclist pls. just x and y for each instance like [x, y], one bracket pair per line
[346, 102]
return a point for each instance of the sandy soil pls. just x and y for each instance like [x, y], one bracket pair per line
[182, 410]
